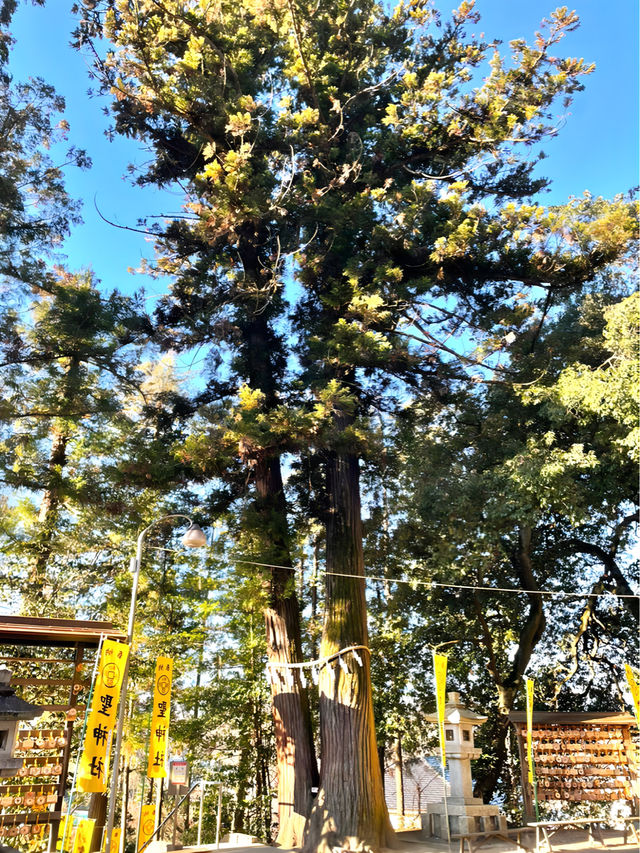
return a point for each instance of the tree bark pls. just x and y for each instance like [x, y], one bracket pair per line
[397, 767]
[53, 493]
[295, 753]
[631, 602]
[350, 810]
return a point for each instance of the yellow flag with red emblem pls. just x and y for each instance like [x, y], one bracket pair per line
[93, 771]
[147, 824]
[159, 738]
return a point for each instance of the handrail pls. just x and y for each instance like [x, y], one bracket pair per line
[171, 813]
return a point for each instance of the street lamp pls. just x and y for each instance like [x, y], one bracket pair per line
[193, 538]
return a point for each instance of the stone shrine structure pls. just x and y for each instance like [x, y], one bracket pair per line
[466, 813]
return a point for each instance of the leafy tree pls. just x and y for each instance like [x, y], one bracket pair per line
[513, 487]
[35, 210]
[68, 363]
[343, 154]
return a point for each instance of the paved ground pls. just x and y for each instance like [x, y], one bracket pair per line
[564, 842]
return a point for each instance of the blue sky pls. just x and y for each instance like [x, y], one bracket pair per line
[597, 149]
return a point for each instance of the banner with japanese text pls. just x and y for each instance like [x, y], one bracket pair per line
[93, 771]
[529, 687]
[147, 824]
[84, 833]
[633, 677]
[440, 675]
[159, 738]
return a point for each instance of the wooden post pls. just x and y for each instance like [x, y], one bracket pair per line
[97, 811]
[174, 842]
[527, 799]
[634, 767]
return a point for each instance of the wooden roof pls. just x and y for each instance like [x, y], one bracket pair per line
[38, 631]
[549, 718]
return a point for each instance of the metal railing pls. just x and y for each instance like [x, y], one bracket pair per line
[202, 784]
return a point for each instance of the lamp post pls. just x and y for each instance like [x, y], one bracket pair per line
[193, 538]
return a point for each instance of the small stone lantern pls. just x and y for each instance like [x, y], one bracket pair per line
[466, 812]
[12, 710]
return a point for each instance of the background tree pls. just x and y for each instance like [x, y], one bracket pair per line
[520, 487]
[36, 211]
[68, 363]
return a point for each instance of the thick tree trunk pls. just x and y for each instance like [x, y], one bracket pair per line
[350, 811]
[295, 754]
[296, 760]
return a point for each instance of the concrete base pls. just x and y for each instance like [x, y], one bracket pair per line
[465, 816]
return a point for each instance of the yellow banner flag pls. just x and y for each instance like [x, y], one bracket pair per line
[84, 832]
[147, 824]
[101, 718]
[159, 738]
[529, 687]
[634, 687]
[115, 840]
[440, 674]
[65, 833]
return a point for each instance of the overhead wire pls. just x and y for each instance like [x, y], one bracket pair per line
[438, 584]
[413, 582]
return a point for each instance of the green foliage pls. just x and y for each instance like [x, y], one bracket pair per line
[35, 209]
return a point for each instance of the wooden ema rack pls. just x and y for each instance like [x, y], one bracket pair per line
[50, 667]
[579, 760]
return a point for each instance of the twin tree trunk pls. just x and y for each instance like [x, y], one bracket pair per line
[350, 811]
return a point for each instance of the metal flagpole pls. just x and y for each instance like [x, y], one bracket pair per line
[219, 818]
[193, 538]
[200, 813]
[444, 788]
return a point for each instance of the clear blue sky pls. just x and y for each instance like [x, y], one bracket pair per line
[597, 150]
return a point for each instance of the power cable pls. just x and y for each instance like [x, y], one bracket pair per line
[435, 584]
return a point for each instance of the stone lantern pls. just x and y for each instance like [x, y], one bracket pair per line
[466, 813]
[12, 710]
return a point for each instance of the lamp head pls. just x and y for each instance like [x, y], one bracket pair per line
[194, 537]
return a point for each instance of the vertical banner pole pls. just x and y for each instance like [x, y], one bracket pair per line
[96, 664]
[200, 813]
[440, 677]
[158, 803]
[219, 818]
[532, 771]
